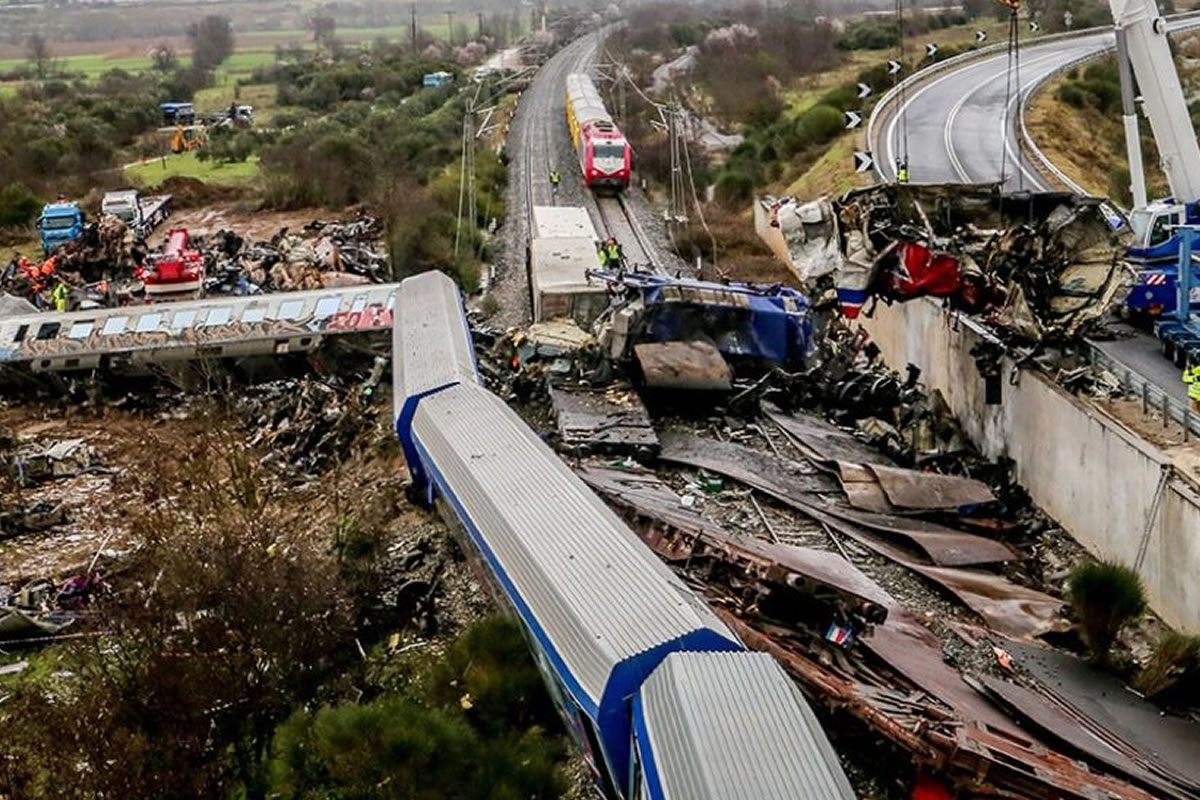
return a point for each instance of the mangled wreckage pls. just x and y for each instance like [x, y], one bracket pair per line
[683, 332]
[1039, 267]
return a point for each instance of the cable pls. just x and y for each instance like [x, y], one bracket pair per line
[898, 80]
[1020, 101]
[1008, 75]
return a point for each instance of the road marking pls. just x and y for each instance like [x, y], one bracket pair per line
[891, 130]
[948, 129]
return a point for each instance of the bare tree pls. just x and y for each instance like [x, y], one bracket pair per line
[323, 28]
[164, 57]
[37, 48]
[212, 41]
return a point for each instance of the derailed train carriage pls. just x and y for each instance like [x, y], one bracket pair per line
[662, 697]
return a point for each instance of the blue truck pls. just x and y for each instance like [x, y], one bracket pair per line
[1154, 256]
[60, 222]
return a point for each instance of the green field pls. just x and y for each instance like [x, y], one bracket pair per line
[154, 172]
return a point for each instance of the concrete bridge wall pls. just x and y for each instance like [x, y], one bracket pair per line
[1088, 471]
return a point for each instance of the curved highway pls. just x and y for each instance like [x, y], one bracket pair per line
[962, 126]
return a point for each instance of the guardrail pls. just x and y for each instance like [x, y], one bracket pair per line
[925, 73]
[1027, 139]
[1153, 397]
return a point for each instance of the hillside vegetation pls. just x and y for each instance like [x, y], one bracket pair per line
[1076, 121]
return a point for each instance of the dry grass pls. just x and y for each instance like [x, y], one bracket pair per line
[832, 173]
[1086, 144]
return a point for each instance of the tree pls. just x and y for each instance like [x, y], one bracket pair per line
[164, 57]
[242, 614]
[211, 40]
[323, 28]
[37, 48]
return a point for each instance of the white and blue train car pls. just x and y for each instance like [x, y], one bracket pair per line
[600, 610]
[731, 726]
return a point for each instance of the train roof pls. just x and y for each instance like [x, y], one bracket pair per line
[599, 601]
[585, 100]
[562, 221]
[732, 726]
[52, 340]
[562, 263]
[433, 343]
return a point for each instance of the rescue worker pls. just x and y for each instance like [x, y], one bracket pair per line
[613, 253]
[1191, 377]
[901, 172]
[602, 254]
[555, 180]
[60, 296]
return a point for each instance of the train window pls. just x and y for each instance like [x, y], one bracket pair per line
[602, 150]
[218, 316]
[148, 322]
[360, 302]
[114, 325]
[327, 307]
[290, 309]
[21, 331]
[48, 330]
[183, 319]
[254, 314]
[81, 329]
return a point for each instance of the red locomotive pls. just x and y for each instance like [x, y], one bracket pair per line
[604, 155]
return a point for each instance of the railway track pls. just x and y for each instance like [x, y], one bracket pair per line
[619, 222]
[543, 116]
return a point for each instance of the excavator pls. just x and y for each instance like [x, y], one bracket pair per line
[187, 138]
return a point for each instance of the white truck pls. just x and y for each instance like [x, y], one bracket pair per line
[141, 214]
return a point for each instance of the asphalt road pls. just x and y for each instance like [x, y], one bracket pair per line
[962, 126]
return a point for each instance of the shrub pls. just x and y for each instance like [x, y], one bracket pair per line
[1176, 655]
[734, 189]
[869, 35]
[1072, 95]
[820, 124]
[18, 205]
[1105, 595]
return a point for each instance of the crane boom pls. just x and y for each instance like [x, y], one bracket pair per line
[1149, 53]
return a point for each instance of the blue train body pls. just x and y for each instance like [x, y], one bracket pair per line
[601, 612]
[767, 323]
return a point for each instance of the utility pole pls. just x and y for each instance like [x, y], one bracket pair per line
[676, 132]
[412, 29]
[466, 181]
[450, 27]
[622, 75]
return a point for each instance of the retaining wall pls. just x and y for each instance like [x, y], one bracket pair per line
[1093, 475]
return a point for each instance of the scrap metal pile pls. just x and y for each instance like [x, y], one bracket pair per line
[902, 579]
[973, 697]
[106, 267]
[325, 254]
[1038, 267]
